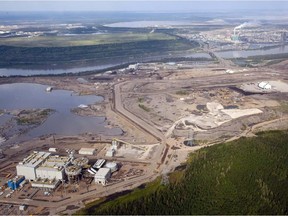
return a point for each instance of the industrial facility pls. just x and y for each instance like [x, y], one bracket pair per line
[102, 176]
[45, 170]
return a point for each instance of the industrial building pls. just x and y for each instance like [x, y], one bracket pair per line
[45, 183]
[52, 168]
[110, 152]
[43, 167]
[99, 163]
[16, 182]
[113, 149]
[87, 151]
[29, 164]
[102, 176]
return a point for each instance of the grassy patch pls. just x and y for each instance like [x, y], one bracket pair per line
[82, 40]
[142, 106]
[182, 92]
[140, 100]
[30, 117]
[284, 106]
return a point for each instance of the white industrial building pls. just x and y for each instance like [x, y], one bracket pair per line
[99, 163]
[45, 183]
[53, 168]
[87, 151]
[110, 152]
[264, 85]
[29, 164]
[42, 165]
[102, 176]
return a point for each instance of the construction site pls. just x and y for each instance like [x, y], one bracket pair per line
[54, 174]
[163, 120]
[136, 123]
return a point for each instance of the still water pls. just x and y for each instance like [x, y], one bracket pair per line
[116, 62]
[28, 72]
[248, 53]
[62, 121]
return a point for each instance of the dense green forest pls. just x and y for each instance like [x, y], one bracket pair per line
[246, 176]
[31, 56]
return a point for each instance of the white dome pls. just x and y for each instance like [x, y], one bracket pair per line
[112, 166]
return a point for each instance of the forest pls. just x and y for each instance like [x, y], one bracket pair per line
[16, 56]
[246, 176]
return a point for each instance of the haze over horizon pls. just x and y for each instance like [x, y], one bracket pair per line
[141, 6]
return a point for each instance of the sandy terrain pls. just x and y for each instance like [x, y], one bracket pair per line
[277, 86]
[234, 113]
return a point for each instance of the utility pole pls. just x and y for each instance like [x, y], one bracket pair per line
[190, 138]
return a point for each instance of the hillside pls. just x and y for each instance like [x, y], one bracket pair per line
[247, 176]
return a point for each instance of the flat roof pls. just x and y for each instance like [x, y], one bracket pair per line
[99, 162]
[35, 159]
[102, 173]
[55, 163]
[87, 149]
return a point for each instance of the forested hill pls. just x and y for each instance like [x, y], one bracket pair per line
[247, 176]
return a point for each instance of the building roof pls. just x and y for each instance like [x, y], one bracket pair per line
[34, 159]
[102, 173]
[87, 150]
[55, 163]
[99, 163]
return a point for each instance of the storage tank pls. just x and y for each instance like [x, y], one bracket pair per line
[73, 170]
[82, 162]
[112, 166]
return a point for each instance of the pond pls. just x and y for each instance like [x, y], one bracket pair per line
[62, 121]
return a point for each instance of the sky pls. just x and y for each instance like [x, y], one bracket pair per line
[140, 6]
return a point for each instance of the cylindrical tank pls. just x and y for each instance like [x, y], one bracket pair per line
[73, 170]
[81, 161]
[112, 166]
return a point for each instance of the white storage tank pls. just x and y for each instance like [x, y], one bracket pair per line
[113, 166]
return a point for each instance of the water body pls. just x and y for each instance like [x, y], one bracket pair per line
[248, 53]
[4, 119]
[62, 121]
[29, 72]
[116, 62]
[147, 24]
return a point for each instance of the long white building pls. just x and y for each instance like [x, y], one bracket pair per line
[42, 165]
[29, 164]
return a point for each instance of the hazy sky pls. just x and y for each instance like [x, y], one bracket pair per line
[140, 6]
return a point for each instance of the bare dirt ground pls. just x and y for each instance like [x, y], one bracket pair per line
[158, 98]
